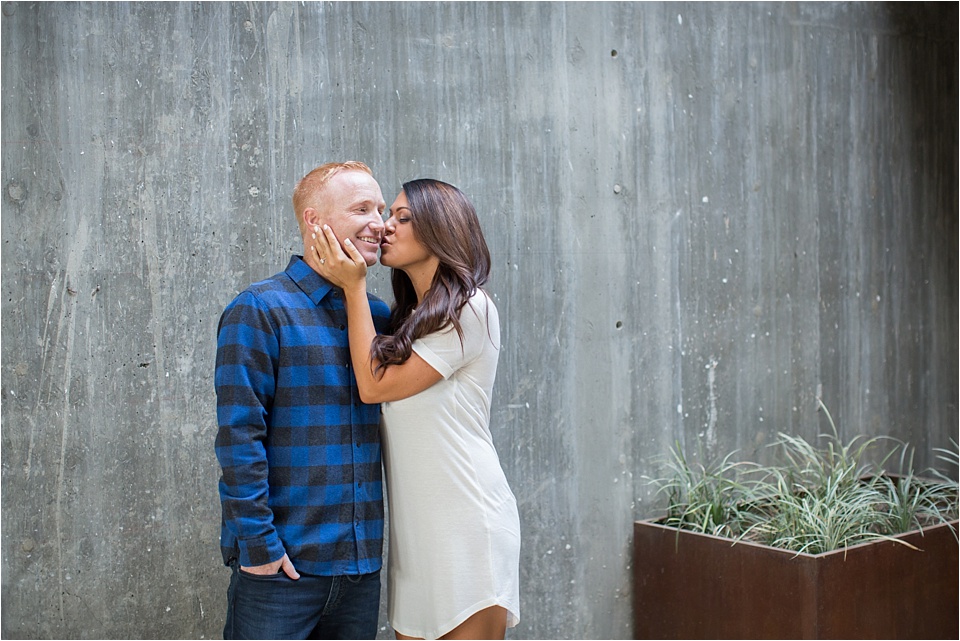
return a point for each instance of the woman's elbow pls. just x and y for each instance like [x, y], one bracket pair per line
[370, 396]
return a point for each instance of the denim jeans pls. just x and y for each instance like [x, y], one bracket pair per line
[275, 606]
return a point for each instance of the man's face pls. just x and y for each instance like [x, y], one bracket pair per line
[353, 207]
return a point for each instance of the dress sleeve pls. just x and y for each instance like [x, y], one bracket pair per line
[247, 355]
[444, 351]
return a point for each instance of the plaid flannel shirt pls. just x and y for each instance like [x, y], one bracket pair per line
[299, 450]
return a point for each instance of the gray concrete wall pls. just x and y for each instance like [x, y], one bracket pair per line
[700, 216]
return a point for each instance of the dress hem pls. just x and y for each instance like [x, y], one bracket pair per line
[513, 618]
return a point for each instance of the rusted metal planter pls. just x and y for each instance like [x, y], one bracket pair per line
[697, 586]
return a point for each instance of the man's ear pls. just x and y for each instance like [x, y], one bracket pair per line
[311, 217]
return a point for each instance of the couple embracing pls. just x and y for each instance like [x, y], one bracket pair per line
[315, 378]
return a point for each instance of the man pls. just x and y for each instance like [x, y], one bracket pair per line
[301, 490]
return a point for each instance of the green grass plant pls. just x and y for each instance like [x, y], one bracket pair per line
[703, 498]
[818, 498]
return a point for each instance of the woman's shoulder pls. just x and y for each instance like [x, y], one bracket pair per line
[482, 303]
[480, 318]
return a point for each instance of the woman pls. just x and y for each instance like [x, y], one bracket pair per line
[454, 528]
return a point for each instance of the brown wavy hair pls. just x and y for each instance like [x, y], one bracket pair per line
[446, 223]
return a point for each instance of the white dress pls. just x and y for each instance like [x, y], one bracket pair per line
[454, 526]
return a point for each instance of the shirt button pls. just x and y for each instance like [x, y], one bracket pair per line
[343, 327]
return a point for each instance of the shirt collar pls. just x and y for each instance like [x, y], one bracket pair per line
[309, 281]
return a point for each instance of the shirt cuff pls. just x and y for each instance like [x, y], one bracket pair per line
[260, 551]
[432, 359]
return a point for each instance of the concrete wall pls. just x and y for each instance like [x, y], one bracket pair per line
[701, 216]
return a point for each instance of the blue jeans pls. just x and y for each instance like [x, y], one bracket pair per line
[275, 606]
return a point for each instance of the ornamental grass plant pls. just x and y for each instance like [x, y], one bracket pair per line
[816, 498]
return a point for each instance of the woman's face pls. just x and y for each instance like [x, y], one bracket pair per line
[400, 248]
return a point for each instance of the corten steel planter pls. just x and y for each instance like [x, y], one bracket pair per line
[696, 586]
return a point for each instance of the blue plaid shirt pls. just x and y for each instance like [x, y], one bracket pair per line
[299, 450]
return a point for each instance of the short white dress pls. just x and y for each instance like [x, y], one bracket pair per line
[454, 527]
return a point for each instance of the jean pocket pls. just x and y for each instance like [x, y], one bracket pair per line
[263, 577]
